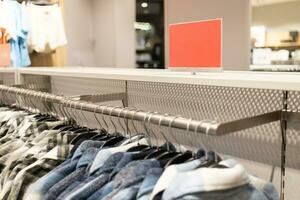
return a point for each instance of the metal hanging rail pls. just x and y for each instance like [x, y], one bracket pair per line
[204, 127]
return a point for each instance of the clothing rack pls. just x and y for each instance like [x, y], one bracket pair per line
[209, 127]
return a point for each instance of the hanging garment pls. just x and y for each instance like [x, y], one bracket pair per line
[36, 164]
[40, 188]
[47, 31]
[14, 19]
[232, 183]
[4, 48]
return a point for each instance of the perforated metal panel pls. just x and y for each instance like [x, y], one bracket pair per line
[36, 82]
[293, 132]
[262, 144]
[8, 78]
[74, 86]
[223, 104]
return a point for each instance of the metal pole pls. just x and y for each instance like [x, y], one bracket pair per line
[204, 127]
[179, 123]
[283, 125]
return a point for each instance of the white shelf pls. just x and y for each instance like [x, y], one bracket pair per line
[7, 70]
[262, 80]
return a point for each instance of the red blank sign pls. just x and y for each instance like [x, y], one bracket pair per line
[196, 44]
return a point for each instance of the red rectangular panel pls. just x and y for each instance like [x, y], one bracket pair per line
[196, 44]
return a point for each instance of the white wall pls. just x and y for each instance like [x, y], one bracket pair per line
[125, 15]
[278, 17]
[101, 33]
[114, 32]
[103, 15]
[80, 34]
[236, 26]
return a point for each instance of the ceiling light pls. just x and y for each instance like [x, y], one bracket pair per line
[144, 5]
[142, 26]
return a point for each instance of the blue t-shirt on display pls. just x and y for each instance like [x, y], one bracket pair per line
[19, 32]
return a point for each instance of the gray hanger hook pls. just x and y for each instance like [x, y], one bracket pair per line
[119, 120]
[31, 102]
[128, 131]
[135, 111]
[161, 132]
[132, 119]
[202, 145]
[70, 114]
[66, 111]
[86, 120]
[53, 108]
[45, 102]
[61, 110]
[102, 117]
[145, 128]
[63, 107]
[76, 109]
[171, 131]
[151, 114]
[110, 118]
[95, 115]
[21, 97]
[39, 98]
[208, 127]
[27, 100]
[125, 117]
[17, 97]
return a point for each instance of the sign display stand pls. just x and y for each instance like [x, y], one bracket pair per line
[196, 46]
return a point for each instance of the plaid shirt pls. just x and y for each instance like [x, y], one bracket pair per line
[17, 176]
[10, 123]
[18, 182]
[39, 146]
[29, 175]
[28, 150]
[26, 133]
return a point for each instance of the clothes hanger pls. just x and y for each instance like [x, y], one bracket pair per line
[77, 128]
[69, 123]
[107, 136]
[48, 109]
[159, 150]
[183, 156]
[46, 117]
[85, 134]
[209, 163]
[61, 126]
[151, 148]
[74, 117]
[69, 120]
[103, 131]
[139, 147]
[12, 107]
[117, 137]
[86, 126]
[81, 129]
[167, 156]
